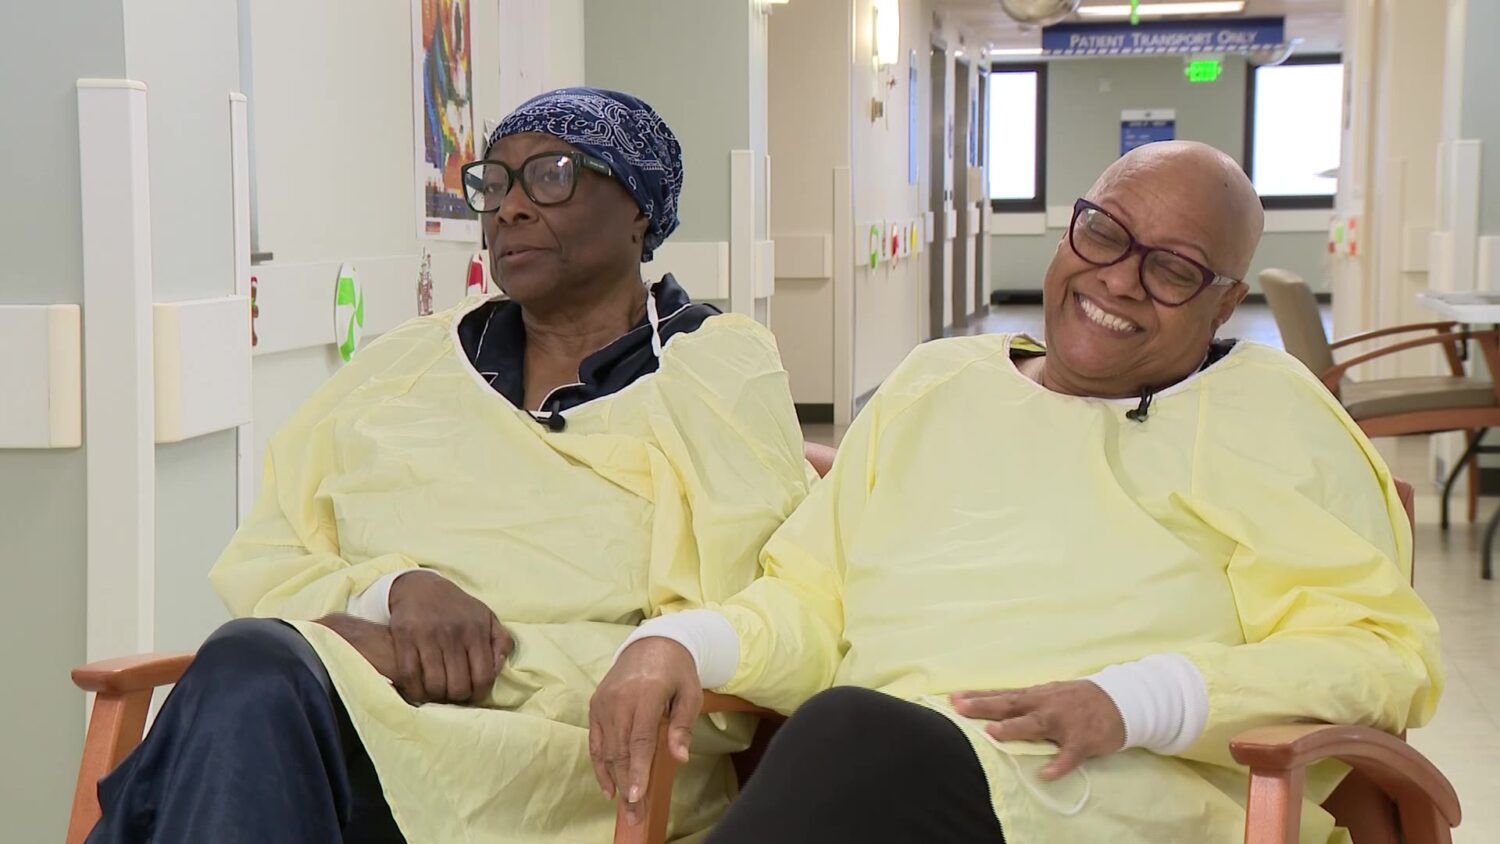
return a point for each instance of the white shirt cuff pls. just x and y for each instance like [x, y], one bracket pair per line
[1163, 701]
[374, 604]
[707, 636]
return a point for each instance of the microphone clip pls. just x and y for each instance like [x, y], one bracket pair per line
[1144, 408]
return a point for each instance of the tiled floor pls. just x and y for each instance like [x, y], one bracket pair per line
[1464, 738]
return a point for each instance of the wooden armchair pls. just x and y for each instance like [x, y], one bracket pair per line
[1395, 407]
[1393, 795]
[123, 687]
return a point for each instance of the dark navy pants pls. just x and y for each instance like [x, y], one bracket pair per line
[252, 745]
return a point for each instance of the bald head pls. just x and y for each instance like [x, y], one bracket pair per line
[1200, 186]
[1120, 315]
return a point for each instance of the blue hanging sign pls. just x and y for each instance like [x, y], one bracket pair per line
[1232, 35]
[1139, 127]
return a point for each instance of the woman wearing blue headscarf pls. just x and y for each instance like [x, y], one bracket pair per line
[458, 531]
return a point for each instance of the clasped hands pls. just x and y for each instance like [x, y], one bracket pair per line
[442, 646]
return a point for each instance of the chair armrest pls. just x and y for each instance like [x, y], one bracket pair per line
[715, 702]
[123, 688]
[1439, 327]
[1425, 798]
[126, 674]
[657, 801]
[1335, 374]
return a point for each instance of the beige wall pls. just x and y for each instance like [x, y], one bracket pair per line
[890, 301]
[1388, 178]
[1402, 200]
[808, 139]
[358, 58]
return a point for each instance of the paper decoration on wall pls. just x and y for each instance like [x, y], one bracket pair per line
[476, 285]
[254, 310]
[443, 103]
[424, 285]
[895, 242]
[348, 312]
[874, 246]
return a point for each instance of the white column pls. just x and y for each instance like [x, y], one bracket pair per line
[119, 431]
[843, 297]
[742, 231]
[239, 154]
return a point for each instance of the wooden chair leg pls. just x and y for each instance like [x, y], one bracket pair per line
[658, 799]
[115, 729]
[1473, 488]
[1273, 814]
[1422, 824]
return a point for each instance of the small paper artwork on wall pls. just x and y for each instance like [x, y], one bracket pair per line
[443, 112]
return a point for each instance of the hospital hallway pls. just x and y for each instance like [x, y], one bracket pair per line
[271, 337]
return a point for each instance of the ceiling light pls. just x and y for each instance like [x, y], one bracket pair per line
[1016, 51]
[1161, 10]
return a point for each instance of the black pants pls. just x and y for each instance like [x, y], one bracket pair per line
[253, 745]
[854, 765]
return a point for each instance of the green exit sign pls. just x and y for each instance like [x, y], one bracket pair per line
[1205, 70]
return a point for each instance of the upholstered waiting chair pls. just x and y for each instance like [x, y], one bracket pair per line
[1393, 407]
[1392, 795]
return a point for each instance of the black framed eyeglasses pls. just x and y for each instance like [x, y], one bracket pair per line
[550, 178]
[1169, 278]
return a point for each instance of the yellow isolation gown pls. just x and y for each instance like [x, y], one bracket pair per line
[656, 498]
[981, 532]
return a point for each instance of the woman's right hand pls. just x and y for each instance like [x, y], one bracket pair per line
[652, 679]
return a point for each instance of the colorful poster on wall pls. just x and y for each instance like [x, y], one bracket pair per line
[1139, 127]
[911, 119]
[443, 108]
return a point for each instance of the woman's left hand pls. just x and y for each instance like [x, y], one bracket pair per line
[1076, 715]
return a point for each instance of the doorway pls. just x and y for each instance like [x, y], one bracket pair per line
[963, 244]
[938, 150]
[981, 165]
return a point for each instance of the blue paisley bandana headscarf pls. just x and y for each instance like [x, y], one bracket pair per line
[618, 129]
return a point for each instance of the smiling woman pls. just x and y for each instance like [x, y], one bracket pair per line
[1021, 608]
[1124, 317]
